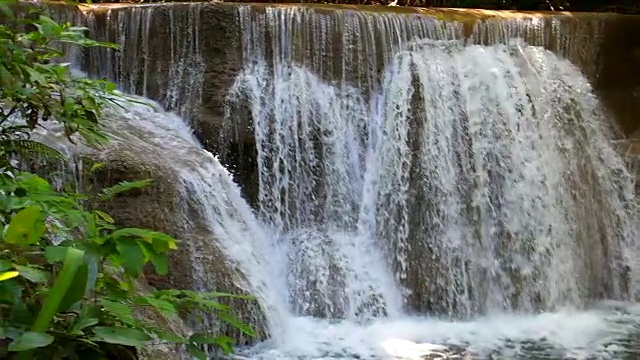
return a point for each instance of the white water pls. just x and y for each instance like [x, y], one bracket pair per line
[164, 139]
[148, 136]
[473, 182]
[595, 334]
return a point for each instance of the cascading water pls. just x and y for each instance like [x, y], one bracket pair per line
[140, 130]
[404, 170]
[423, 173]
[177, 69]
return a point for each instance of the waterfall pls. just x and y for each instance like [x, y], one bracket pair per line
[421, 170]
[170, 71]
[491, 161]
[218, 230]
[423, 186]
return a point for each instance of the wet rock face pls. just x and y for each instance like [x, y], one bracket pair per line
[159, 207]
[185, 56]
[618, 79]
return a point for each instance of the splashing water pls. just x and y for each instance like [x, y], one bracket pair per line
[403, 170]
[443, 178]
[142, 130]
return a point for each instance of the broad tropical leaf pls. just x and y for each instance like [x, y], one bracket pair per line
[6, 275]
[30, 340]
[26, 227]
[120, 335]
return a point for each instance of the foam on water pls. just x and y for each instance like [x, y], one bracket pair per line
[602, 333]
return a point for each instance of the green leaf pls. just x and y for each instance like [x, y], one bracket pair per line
[164, 307]
[72, 262]
[26, 227]
[32, 274]
[11, 291]
[205, 339]
[120, 335]
[196, 352]
[20, 314]
[161, 264]
[226, 343]
[55, 254]
[9, 333]
[169, 336]
[30, 340]
[131, 256]
[121, 187]
[5, 265]
[83, 323]
[109, 86]
[34, 183]
[26, 147]
[161, 242]
[77, 289]
[6, 275]
[230, 319]
[95, 167]
[121, 312]
[6, 10]
[104, 216]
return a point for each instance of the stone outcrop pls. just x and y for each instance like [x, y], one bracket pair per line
[186, 56]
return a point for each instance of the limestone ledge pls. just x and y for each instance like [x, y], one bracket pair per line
[452, 14]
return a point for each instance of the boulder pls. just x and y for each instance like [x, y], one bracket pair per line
[198, 264]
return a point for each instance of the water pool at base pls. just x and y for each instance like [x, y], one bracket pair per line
[608, 330]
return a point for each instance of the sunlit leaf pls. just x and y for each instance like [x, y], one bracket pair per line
[26, 227]
[6, 275]
[104, 216]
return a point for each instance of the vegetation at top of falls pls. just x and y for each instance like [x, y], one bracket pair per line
[623, 6]
[69, 274]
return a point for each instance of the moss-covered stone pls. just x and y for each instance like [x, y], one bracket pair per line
[162, 207]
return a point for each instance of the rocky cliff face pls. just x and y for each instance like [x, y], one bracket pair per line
[185, 56]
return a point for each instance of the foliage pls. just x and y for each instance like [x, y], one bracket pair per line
[36, 88]
[67, 274]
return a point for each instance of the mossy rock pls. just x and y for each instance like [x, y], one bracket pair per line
[161, 207]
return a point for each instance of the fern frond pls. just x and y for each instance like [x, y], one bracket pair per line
[95, 167]
[163, 307]
[26, 146]
[119, 311]
[121, 187]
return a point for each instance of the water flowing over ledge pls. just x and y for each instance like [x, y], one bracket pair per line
[475, 157]
[401, 166]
